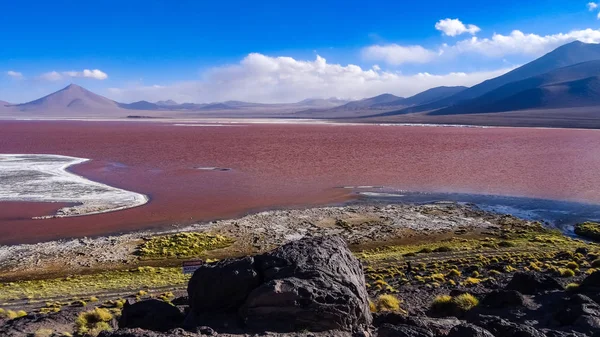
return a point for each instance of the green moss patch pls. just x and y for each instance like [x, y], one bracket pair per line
[134, 279]
[590, 230]
[181, 245]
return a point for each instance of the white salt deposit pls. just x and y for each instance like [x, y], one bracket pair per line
[44, 178]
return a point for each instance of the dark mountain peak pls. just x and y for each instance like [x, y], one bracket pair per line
[139, 105]
[575, 43]
[166, 103]
[73, 87]
[563, 56]
[385, 96]
[71, 97]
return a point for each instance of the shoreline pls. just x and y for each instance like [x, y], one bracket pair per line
[233, 121]
[372, 224]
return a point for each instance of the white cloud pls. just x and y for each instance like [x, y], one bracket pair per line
[95, 74]
[497, 46]
[454, 27]
[261, 78]
[395, 54]
[51, 76]
[14, 74]
[86, 73]
[591, 6]
[519, 43]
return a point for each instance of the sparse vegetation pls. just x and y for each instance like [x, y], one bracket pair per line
[465, 302]
[388, 303]
[132, 279]
[565, 272]
[572, 286]
[92, 322]
[188, 244]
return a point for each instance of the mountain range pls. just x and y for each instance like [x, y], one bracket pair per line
[565, 78]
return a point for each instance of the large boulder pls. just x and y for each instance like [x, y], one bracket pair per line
[573, 308]
[313, 284]
[151, 315]
[591, 283]
[532, 283]
[503, 299]
[223, 286]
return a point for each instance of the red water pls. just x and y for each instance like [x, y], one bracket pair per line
[290, 165]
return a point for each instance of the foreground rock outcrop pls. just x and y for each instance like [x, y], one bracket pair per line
[313, 284]
[316, 287]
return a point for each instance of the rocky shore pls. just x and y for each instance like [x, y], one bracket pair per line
[316, 286]
[441, 269]
[367, 225]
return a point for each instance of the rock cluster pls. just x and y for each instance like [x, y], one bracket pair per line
[316, 287]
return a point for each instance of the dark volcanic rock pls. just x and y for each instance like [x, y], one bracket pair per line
[439, 326]
[388, 330]
[469, 330]
[500, 327]
[554, 333]
[146, 333]
[151, 315]
[531, 283]
[503, 299]
[313, 284]
[222, 286]
[208, 332]
[591, 283]
[575, 307]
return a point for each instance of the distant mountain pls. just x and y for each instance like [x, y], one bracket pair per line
[217, 106]
[71, 99]
[566, 55]
[368, 102]
[140, 105]
[489, 102]
[322, 102]
[572, 94]
[188, 106]
[169, 102]
[427, 96]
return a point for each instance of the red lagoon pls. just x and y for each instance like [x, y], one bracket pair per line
[282, 165]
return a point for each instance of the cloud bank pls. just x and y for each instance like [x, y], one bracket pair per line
[395, 54]
[261, 78]
[497, 46]
[95, 74]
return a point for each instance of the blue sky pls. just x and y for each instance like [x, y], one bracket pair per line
[201, 51]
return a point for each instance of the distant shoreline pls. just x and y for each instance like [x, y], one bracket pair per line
[421, 121]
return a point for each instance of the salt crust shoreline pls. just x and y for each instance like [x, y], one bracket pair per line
[45, 178]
